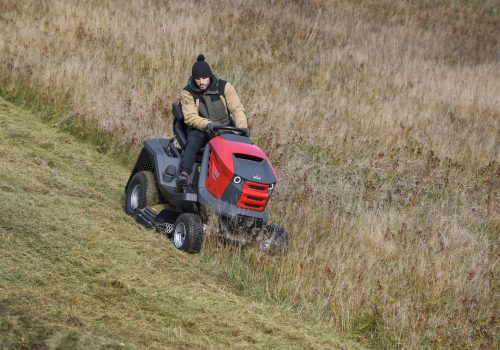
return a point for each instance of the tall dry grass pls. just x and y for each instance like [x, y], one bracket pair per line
[382, 119]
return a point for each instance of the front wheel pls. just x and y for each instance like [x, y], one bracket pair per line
[274, 239]
[188, 233]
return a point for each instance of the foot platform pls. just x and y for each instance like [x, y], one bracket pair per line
[162, 220]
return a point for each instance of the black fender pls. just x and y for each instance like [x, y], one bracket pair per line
[162, 158]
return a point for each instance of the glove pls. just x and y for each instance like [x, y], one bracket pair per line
[247, 131]
[212, 126]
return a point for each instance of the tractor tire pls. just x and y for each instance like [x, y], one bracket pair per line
[188, 233]
[141, 192]
[275, 239]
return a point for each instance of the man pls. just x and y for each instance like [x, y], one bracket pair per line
[206, 102]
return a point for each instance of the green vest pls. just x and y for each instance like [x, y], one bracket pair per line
[210, 104]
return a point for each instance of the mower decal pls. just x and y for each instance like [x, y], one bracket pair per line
[215, 172]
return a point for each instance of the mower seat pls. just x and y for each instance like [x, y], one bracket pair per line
[179, 127]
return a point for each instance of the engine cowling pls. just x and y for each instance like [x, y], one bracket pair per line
[240, 173]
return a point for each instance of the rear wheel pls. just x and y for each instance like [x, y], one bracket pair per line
[141, 192]
[188, 233]
[274, 239]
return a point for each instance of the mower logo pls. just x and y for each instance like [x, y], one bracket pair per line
[215, 173]
[257, 177]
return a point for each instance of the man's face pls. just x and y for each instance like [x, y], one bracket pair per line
[202, 82]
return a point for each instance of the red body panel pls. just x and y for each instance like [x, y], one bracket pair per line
[220, 174]
[221, 166]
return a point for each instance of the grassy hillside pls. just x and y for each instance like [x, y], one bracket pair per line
[77, 273]
[382, 118]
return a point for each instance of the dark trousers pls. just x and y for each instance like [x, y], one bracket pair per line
[196, 139]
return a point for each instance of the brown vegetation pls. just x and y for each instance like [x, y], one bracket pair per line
[382, 118]
[77, 274]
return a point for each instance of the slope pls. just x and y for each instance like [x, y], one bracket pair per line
[76, 272]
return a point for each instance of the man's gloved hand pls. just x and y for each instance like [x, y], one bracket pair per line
[247, 131]
[212, 126]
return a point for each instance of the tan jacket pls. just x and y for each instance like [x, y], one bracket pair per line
[230, 100]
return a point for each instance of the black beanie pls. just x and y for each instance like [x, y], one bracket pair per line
[201, 68]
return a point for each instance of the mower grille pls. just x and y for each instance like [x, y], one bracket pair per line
[254, 196]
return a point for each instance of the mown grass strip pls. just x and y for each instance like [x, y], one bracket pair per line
[77, 273]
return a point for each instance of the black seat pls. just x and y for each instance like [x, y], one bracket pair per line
[179, 127]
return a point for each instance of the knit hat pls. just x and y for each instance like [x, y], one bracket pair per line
[201, 68]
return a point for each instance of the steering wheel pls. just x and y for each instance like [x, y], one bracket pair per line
[237, 131]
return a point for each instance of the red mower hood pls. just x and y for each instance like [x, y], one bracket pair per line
[234, 165]
[225, 149]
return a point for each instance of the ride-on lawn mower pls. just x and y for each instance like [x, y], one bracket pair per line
[231, 178]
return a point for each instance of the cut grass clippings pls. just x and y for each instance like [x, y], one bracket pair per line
[76, 272]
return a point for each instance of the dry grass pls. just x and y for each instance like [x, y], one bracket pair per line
[78, 274]
[382, 118]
